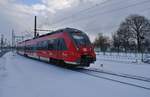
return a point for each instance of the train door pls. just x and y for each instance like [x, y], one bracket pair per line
[55, 48]
[58, 49]
[61, 48]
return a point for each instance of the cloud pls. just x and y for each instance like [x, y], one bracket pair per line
[58, 4]
[19, 16]
[55, 14]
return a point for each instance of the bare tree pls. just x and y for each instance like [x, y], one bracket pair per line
[102, 42]
[124, 36]
[139, 27]
[2, 42]
[116, 42]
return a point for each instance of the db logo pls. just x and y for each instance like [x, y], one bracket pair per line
[84, 49]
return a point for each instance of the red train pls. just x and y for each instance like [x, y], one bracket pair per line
[70, 46]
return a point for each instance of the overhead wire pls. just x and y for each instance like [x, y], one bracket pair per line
[83, 10]
[116, 25]
[87, 10]
[111, 11]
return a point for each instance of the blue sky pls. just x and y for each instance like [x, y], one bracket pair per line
[29, 2]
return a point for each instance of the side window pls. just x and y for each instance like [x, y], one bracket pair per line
[39, 45]
[30, 47]
[56, 43]
[27, 47]
[34, 47]
[62, 44]
[45, 45]
[52, 44]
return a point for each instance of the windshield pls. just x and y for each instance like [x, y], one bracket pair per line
[81, 39]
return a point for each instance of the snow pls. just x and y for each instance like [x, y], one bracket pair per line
[2, 66]
[123, 64]
[31, 78]
[147, 59]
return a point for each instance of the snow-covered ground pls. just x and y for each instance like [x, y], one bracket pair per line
[123, 64]
[122, 57]
[23, 77]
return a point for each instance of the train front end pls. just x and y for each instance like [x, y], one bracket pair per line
[84, 50]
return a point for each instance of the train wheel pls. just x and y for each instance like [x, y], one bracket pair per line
[50, 60]
[25, 55]
[85, 65]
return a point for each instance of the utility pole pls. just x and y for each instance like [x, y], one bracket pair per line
[2, 41]
[35, 27]
[36, 34]
[13, 38]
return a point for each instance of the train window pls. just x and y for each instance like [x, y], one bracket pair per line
[30, 47]
[51, 44]
[27, 47]
[45, 45]
[34, 47]
[80, 39]
[62, 44]
[55, 44]
[40, 45]
[37, 46]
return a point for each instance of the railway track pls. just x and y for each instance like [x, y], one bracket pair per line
[98, 74]
[141, 78]
[2, 53]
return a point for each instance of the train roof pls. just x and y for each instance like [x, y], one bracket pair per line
[69, 30]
